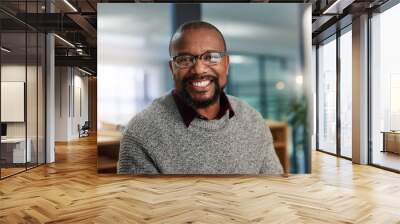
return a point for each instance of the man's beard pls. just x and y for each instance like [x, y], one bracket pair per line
[200, 103]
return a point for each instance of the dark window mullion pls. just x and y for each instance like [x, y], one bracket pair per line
[0, 95]
[37, 91]
[26, 87]
[338, 98]
[317, 96]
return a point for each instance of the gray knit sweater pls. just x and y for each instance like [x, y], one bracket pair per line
[156, 141]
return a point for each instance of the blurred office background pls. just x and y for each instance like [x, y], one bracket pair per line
[269, 64]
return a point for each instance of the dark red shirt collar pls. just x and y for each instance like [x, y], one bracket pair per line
[188, 113]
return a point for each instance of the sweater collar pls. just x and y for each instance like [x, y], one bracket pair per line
[188, 114]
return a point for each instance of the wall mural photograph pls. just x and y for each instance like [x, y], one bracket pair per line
[219, 92]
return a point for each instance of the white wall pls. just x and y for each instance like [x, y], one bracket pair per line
[70, 83]
[79, 117]
[62, 81]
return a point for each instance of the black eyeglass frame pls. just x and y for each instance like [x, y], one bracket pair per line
[194, 58]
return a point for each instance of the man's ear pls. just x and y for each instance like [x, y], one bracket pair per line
[171, 66]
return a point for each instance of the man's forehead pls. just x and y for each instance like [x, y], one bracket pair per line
[198, 30]
[209, 36]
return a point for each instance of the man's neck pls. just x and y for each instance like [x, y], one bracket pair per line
[210, 112]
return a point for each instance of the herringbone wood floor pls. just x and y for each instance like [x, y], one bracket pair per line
[70, 191]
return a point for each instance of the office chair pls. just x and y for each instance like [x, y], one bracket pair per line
[84, 130]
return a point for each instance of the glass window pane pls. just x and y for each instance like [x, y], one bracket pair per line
[244, 79]
[346, 94]
[41, 98]
[14, 153]
[280, 88]
[31, 100]
[327, 96]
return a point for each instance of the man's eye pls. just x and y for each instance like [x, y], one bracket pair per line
[207, 57]
[212, 57]
[184, 59]
[215, 57]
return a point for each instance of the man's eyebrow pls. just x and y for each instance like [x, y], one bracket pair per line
[183, 53]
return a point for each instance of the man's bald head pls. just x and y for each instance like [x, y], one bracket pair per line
[193, 25]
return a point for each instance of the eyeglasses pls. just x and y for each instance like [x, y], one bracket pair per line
[208, 58]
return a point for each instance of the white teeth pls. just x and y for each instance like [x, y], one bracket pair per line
[202, 83]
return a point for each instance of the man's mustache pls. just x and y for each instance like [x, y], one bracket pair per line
[197, 77]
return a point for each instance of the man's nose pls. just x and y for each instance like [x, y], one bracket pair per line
[199, 67]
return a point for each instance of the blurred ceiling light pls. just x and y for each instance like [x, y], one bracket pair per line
[247, 30]
[64, 40]
[280, 85]
[299, 80]
[5, 50]
[84, 71]
[238, 59]
[124, 41]
[70, 5]
[43, 7]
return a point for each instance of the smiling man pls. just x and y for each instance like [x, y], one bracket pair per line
[197, 128]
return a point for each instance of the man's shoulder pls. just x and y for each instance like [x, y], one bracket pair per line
[242, 108]
[149, 118]
[250, 116]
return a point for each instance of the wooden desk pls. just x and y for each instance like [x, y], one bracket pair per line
[279, 131]
[391, 141]
[107, 151]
